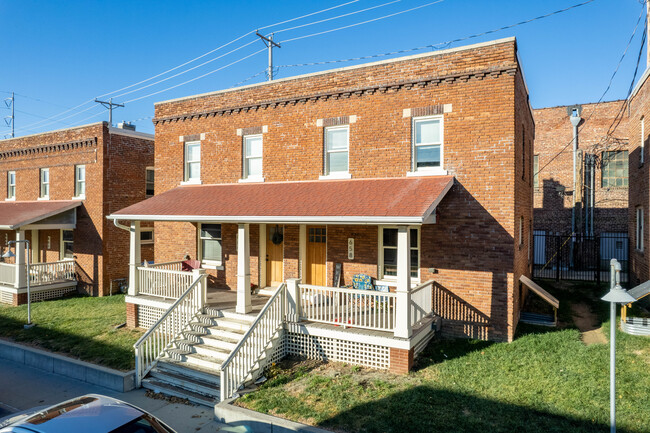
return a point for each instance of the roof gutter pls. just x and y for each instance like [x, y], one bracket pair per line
[357, 220]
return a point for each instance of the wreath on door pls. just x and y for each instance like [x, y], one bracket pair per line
[277, 236]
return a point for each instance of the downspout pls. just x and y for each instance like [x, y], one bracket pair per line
[121, 226]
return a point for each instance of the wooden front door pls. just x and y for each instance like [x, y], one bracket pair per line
[316, 256]
[274, 255]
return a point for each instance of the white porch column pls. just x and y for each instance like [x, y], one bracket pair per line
[21, 270]
[293, 300]
[200, 273]
[403, 316]
[135, 259]
[35, 247]
[302, 250]
[262, 258]
[243, 270]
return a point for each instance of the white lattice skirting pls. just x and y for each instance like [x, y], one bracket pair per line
[6, 296]
[334, 349]
[148, 316]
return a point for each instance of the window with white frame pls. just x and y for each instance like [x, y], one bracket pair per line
[388, 251]
[67, 244]
[149, 182]
[210, 243]
[615, 169]
[642, 147]
[427, 138]
[80, 180]
[639, 228]
[253, 156]
[11, 184]
[45, 183]
[192, 171]
[146, 236]
[337, 147]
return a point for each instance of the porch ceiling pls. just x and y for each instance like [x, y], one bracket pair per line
[16, 214]
[409, 200]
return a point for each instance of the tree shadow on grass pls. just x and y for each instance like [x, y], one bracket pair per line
[426, 409]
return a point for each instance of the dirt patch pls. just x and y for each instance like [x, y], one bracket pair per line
[588, 324]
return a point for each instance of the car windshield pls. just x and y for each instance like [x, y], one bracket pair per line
[144, 424]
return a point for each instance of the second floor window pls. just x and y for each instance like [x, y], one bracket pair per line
[427, 143]
[80, 180]
[45, 183]
[337, 140]
[192, 161]
[253, 156]
[614, 169]
[11, 184]
[149, 182]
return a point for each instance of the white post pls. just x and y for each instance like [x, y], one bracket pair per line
[302, 251]
[243, 270]
[135, 259]
[21, 270]
[403, 314]
[293, 300]
[262, 258]
[199, 273]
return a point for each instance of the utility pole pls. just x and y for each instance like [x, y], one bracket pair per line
[270, 44]
[9, 102]
[109, 104]
[574, 116]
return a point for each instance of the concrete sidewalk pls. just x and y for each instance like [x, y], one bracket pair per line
[23, 387]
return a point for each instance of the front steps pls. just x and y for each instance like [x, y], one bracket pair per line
[191, 369]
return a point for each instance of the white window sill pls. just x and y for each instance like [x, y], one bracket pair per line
[392, 281]
[191, 182]
[11, 199]
[146, 242]
[208, 264]
[47, 197]
[433, 172]
[338, 175]
[79, 197]
[252, 179]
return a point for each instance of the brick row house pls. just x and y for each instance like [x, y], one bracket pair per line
[416, 172]
[59, 186]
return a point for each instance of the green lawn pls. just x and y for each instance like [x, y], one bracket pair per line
[80, 327]
[547, 380]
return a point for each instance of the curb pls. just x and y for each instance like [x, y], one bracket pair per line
[228, 413]
[58, 364]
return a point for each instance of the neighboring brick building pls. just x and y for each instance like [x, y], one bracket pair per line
[58, 188]
[461, 113]
[554, 161]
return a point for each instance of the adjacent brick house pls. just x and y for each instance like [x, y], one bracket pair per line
[454, 124]
[57, 189]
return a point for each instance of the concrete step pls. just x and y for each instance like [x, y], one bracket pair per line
[169, 389]
[218, 331]
[208, 377]
[215, 353]
[215, 312]
[205, 362]
[188, 383]
[218, 342]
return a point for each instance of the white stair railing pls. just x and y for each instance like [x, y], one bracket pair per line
[153, 344]
[237, 368]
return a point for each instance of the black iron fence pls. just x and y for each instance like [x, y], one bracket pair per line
[579, 257]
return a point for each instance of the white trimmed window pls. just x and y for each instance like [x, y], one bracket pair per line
[149, 182]
[80, 180]
[639, 228]
[67, 244]
[427, 143]
[11, 185]
[45, 183]
[146, 236]
[210, 244]
[337, 150]
[192, 171]
[253, 156]
[388, 252]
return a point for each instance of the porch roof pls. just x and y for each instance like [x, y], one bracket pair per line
[408, 200]
[15, 214]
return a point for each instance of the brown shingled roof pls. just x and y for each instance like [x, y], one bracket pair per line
[14, 214]
[403, 200]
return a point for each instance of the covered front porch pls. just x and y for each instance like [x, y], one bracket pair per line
[37, 242]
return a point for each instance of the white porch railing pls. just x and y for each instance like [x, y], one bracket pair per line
[164, 283]
[169, 266]
[348, 307]
[153, 344]
[237, 368]
[421, 303]
[7, 274]
[54, 272]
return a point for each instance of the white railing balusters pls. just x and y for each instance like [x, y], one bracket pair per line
[237, 369]
[153, 344]
[169, 266]
[421, 301]
[165, 283]
[7, 274]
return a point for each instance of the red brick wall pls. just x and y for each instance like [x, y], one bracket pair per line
[473, 247]
[89, 248]
[554, 134]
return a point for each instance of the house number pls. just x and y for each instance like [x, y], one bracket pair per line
[350, 248]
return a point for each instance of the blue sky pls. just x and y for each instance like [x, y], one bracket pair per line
[60, 54]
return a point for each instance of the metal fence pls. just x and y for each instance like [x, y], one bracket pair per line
[579, 257]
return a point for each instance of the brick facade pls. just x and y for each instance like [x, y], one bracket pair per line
[115, 162]
[473, 252]
[554, 147]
